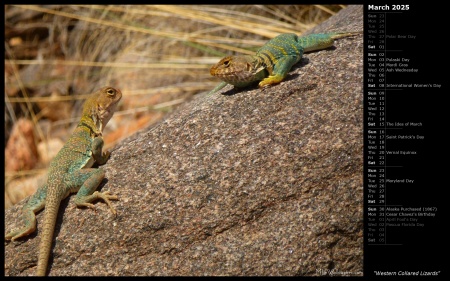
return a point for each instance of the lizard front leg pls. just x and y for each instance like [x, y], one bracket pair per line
[218, 87]
[280, 70]
[89, 179]
[99, 156]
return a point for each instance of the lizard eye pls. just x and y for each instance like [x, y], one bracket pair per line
[110, 91]
[226, 63]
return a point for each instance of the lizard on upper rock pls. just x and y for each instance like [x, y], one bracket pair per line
[272, 61]
[70, 171]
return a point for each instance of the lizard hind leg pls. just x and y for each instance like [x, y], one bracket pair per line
[90, 180]
[34, 205]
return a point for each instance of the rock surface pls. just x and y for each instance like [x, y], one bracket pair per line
[251, 182]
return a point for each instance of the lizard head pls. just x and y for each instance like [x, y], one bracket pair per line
[102, 105]
[238, 70]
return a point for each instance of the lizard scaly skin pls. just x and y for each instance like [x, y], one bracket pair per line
[70, 171]
[272, 62]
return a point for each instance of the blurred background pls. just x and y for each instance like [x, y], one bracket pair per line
[158, 56]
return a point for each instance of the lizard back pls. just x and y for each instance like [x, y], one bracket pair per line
[284, 45]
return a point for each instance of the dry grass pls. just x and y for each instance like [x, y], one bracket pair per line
[158, 55]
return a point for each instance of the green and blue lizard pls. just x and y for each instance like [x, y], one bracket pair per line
[273, 61]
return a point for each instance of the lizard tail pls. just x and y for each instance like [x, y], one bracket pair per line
[320, 41]
[337, 35]
[45, 246]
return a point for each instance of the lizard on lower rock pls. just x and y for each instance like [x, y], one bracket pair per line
[272, 61]
[70, 171]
